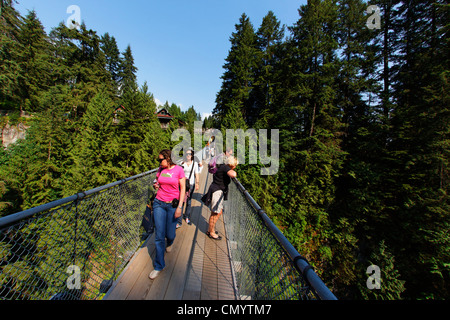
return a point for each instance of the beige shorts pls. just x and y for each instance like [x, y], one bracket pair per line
[217, 201]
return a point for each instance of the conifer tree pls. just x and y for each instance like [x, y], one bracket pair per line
[112, 56]
[420, 122]
[50, 136]
[90, 155]
[127, 72]
[391, 286]
[80, 65]
[357, 189]
[174, 110]
[238, 78]
[190, 116]
[136, 122]
[152, 137]
[10, 51]
[35, 62]
[269, 38]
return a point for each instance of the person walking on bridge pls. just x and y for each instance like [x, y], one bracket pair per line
[218, 193]
[167, 206]
[191, 167]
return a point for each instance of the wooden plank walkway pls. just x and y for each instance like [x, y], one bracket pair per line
[197, 268]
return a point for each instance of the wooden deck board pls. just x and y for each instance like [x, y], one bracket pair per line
[197, 268]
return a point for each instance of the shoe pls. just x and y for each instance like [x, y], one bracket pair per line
[154, 274]
[207, 233]
[169, 248]
[178, 226]
[218, 237]
[188, 221]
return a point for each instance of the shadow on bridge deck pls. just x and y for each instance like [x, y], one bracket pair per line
[197, 268]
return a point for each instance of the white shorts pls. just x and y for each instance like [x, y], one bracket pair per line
[217, 201]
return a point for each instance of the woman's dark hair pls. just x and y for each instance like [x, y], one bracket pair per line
[167, 154]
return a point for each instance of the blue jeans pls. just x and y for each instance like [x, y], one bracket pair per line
[165, 226]
[187, 213]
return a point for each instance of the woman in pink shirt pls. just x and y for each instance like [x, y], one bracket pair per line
[171, 190]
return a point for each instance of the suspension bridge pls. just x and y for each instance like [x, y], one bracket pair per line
[91, 246]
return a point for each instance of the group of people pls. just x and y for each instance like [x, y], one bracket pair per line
[175, 185]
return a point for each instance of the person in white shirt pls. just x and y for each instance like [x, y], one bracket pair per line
[192, 179]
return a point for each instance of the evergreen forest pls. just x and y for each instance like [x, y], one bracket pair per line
[363, 117]
[90, 123]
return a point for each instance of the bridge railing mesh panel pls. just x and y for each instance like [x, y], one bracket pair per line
[262, 269]
[75, 250]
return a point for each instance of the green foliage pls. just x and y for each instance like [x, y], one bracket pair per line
[10, 57]
[238, 79]
[364, 130]
[363, 118]
[90, 125]
[391, 286]
[35, 63]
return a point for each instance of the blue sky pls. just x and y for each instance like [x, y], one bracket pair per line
[179, 46]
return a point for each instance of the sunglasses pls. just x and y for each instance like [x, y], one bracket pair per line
[161, 160]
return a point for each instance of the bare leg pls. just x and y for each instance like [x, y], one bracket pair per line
[212, 222]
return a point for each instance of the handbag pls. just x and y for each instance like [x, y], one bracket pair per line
[148, 221]
[175, 202]
[188, 181]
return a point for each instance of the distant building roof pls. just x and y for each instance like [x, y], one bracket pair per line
[163, 114]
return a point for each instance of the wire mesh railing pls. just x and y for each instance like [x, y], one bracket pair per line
[265, 265]
[73, 248]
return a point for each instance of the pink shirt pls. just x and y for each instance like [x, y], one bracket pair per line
[169, 185]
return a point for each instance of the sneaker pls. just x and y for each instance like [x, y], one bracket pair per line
[178, 225]
[154, 274]
[188, 221]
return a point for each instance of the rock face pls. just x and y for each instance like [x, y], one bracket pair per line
[10, 134]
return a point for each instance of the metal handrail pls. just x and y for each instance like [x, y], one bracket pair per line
[300, 262]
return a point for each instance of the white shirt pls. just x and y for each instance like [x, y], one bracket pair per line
[187, 171]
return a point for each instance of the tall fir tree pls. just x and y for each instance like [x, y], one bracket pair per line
[390, 286]
[358, 188]
[135, 123]
[127, 72]
[80, 65]
[112, 57]
[10, 52]
[51, 136]
[238, 78]
[35, 63]
[420, 135]
[90, 155]
[269, 39]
